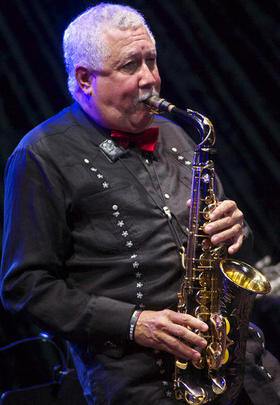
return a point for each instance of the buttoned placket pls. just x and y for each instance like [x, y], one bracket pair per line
[147, 161]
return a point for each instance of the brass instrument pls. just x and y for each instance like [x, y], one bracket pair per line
[215, 289]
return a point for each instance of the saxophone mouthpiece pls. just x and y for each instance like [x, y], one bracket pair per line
[158, 104]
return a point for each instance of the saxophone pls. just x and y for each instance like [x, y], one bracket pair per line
[217, 290]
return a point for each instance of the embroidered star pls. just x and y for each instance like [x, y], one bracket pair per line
[129, 243]
[138, 275]
[124, 234]
[100, 176]
[116, 214]
[133, 256]
[105, 184]
[139, 285]
[120, 223]
[135, 265]
[168, 394]
[139, 295]
[159, 362]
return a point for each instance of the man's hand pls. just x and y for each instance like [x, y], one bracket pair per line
[170, 331]
[226, 225]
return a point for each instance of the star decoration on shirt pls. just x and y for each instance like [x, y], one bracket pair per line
[159, 362]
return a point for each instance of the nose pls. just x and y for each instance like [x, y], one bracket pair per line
[148, 77]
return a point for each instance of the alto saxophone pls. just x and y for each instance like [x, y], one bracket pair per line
[215, 289]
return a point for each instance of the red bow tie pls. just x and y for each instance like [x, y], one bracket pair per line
[145, 140]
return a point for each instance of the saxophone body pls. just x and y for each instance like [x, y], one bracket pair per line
[214, 289]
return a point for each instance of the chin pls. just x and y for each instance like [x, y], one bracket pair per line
[142, 124]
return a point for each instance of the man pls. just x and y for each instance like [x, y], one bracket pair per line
[93, 229]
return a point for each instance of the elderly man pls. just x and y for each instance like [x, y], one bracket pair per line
[94, 219]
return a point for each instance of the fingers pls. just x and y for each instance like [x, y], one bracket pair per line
[178, 349]
[237, 244]
[224, 208]
[228, 235]
[226, 226]
[171, 331]
[187, 320]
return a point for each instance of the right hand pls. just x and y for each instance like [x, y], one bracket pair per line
[170, 331]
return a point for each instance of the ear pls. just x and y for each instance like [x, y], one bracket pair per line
[84, 78]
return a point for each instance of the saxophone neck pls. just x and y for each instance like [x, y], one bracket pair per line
[200, 122]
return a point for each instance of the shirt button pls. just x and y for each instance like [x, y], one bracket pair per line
[174, 149]
[86, 160]
[167, 196]
[115, 207]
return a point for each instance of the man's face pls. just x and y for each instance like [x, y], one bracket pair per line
[128, 76]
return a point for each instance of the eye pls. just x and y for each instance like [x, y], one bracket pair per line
[151, 63]
[130, 67]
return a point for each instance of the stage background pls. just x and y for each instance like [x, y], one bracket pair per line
[221, 58]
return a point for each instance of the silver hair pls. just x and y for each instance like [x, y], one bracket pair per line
[84, 43]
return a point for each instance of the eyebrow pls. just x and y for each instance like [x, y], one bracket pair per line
[133, 54]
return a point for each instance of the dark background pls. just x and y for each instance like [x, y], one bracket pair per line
[221, 58]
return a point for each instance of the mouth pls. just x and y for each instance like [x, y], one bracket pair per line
[143, 97]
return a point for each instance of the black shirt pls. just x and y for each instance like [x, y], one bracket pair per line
[86, 238]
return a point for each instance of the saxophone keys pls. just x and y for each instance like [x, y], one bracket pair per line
[219, 385]
[200, 363]
[181, 365]
[214, 355]
[206, 244]
[227, 325]
[202, 313]
[207, 211]
[226, 357]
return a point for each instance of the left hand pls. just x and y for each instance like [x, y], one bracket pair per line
[226, 225]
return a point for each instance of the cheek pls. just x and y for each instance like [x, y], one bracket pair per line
[128, 87]
[158, 81]
[120, 91]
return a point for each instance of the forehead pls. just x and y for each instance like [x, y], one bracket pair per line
[123, 42]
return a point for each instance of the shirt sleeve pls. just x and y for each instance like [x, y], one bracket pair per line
[36, 244]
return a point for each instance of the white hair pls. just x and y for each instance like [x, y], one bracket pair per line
[84, 42]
